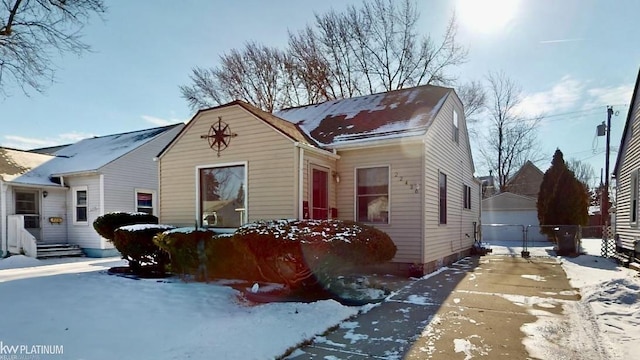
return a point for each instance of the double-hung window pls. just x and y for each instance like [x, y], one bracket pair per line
[145, 201]
[80, 203]
[372, 195]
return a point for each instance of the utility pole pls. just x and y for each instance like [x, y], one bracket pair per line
[604, 208]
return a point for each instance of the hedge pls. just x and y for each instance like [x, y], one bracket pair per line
[292, 252]
[135, 244]
[107, 224]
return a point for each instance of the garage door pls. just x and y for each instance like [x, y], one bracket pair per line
[510, 233]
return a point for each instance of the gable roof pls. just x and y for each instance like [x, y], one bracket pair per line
[289, 129]
[393, 114]
[49, 149]
[14, 163]
[286, 128]
[521, 172]
[89, 155]
[628, 125]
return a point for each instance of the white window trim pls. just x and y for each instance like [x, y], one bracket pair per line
[355, 194]
[466, 195]
[456, 127]
[153, 199]
[246, 191]
[74, 191]
[633, 195]
[446, 200]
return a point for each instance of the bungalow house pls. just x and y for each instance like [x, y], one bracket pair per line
[399, 161]
[49, 202]
[626, 173]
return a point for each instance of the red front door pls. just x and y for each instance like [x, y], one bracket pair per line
[320, 197]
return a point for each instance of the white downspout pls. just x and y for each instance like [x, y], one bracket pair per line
[300, 183]
[102, 242]
[3, 216]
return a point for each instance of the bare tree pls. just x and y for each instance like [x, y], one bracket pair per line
[372, 48]
[510, 139]
[256, 74]
[583, 171]
[474, 99]
[31, 30]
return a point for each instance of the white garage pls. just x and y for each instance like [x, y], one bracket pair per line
[507, 215]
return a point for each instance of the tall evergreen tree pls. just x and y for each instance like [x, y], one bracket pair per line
[563, 199]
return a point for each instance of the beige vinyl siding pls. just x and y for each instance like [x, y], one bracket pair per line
[54, 205]
[84, 234]
[270, 158]
[630, 162]
[453, 159]
[135, 170]
[405, 207]
[312, 159]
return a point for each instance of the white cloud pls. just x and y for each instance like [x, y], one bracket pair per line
[27, 143]
[159, 121]
[562, 96]
[612, 95]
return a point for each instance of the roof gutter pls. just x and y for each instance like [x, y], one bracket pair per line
[77, 173]
[317, 150]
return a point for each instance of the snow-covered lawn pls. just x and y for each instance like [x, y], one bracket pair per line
[97, 316]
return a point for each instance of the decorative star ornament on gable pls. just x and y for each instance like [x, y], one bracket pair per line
[219, 136]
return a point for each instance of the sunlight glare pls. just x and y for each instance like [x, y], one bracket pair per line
[486, 15]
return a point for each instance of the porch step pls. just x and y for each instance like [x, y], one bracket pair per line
[58, 250]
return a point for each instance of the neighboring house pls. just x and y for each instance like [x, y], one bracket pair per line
[526, 181]
[400, 161]
[14, 163]
[57, 200]
[508, 216]
[627, 173]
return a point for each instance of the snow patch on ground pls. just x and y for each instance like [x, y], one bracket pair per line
[18, 261]
[534, 277]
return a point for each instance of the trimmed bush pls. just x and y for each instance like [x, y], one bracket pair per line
[135, 243]
[107, 224]
[302, 252]
[206, 255]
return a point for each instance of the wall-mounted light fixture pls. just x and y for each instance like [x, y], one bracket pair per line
[336, 176]
[45, 194]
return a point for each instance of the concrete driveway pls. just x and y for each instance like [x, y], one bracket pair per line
[476, 308]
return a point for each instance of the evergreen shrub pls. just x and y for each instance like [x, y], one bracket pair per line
[135, 244]
[107, 224]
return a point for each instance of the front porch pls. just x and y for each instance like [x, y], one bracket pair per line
[21, 239]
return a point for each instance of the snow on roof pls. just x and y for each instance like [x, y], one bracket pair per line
[89, 155]
[394, 114]
[14, 163]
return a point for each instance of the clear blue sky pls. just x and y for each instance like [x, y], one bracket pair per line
[570, 56]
